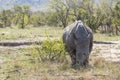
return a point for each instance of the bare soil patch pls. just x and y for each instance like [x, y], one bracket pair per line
[109, 51]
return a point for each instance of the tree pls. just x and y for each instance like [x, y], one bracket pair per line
[5, 17]
[53, 19]
[38, 19]
[62, 10]
[116, 19]
[78, 10]
[106, 9]
[22, 15]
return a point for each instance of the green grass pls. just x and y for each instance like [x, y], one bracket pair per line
[15, 33]
[35, 33]
[105, 37]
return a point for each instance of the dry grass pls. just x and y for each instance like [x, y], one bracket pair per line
[99, 62]
[18, 64]
[26, 70]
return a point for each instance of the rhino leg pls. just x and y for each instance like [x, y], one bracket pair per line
[73, 57]
[86, 61]
[91, 44]
[79, 59]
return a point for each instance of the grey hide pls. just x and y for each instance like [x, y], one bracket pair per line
[78, 40]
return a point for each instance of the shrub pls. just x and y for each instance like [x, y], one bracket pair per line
[50, 50]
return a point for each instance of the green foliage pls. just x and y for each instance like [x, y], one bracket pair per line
[62, 13]
[116, 19]
[34, 20]
[21, 14]
[5, 18]
[38, 19]
[50, 50]
[61, 8]
[26, 20]
[53, 19]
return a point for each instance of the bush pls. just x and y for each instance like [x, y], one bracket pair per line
[50, 50]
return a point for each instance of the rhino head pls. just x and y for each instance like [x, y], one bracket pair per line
[82, 43]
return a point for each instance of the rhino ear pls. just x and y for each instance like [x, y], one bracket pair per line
[81, 32]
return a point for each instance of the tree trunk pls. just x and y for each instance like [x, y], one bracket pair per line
[22, 24]
[64, 24]
[116, 30]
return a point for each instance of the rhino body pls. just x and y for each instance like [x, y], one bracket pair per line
[78, 40]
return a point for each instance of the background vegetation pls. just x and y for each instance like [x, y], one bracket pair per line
[104, 15]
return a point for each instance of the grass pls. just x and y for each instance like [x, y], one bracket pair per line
[105, 37]
[15, 33]
[22, 67]
[35, 33]
[19, 64]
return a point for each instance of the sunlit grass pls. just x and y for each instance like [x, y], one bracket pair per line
[105, 37]
[15, 33]
[37, 32]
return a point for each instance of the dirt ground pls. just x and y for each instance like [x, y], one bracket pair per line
[109, 50]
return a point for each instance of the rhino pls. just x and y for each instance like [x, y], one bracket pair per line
[78, 40]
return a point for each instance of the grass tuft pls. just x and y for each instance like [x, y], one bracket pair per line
[99, 62]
